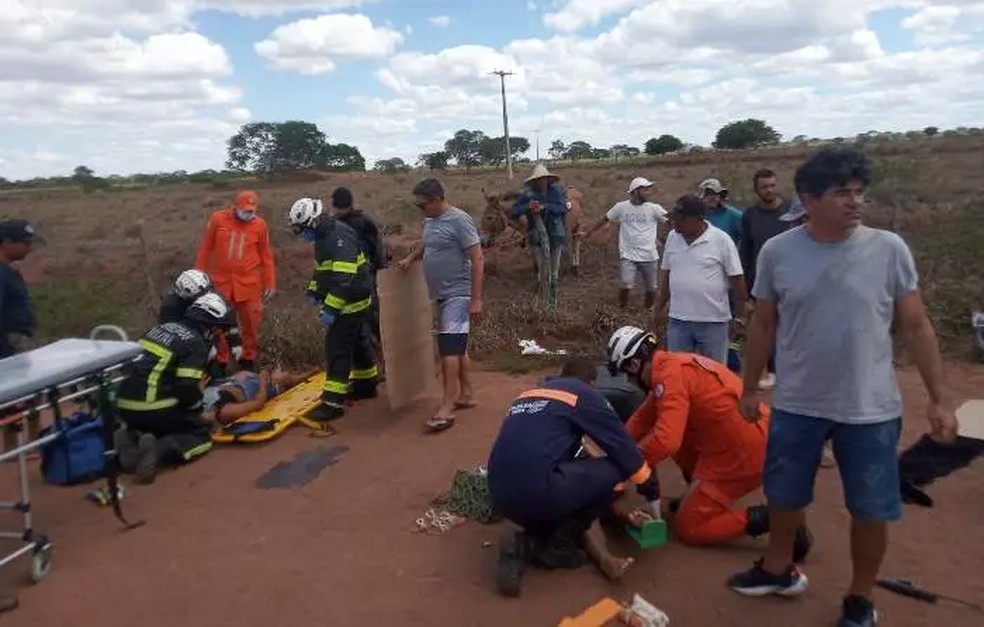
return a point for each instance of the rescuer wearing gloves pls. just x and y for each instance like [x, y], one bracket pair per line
[691, 415]
[538, 481]
[160, 400]
[342, 287]
[189, 285]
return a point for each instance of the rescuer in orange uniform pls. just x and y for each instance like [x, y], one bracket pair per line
[236, 253]
[691, 415]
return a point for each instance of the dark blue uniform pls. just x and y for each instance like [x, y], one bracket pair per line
[535, 480]
[15, 308]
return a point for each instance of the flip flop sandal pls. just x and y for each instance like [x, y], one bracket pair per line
[436, 425]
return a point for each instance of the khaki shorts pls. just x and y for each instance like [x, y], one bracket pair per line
[648, 270]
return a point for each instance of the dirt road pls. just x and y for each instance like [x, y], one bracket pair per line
[340, 551]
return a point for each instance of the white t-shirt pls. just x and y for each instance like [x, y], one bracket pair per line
[637, 228]
[699, 275]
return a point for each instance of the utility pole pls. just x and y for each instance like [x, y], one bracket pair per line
[502, 74]
[537, 134]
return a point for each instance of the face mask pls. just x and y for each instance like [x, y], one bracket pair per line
[245, 216]
[308, 235]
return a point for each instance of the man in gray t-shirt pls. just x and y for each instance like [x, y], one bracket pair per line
[829, 292]
[453, 267]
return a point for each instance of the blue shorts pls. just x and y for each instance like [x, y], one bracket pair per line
[866, 457]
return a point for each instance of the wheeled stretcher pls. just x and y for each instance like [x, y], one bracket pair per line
[42, 379]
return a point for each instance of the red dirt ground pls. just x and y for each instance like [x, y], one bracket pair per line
[340, 551]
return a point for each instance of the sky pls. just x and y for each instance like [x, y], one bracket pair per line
[127, 86]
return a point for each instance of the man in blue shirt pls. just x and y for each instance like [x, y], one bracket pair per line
[723, 216]
[720, 213]
[17, 237]
[544, 197]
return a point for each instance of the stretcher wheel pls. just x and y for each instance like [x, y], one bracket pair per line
[41, 560]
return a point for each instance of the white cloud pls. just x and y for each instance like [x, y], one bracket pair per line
[314, 45]
[577, 14]
[130, 85]
[815, 69]
[258, 8]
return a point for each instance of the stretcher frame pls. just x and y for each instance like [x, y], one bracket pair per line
[25, 406]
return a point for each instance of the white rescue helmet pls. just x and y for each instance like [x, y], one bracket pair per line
[304, 212]
[210, 310]
[192, 284]
[624, 344]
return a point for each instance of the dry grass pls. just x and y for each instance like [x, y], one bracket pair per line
[94, 268]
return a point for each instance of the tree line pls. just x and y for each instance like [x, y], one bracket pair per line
[260, 149]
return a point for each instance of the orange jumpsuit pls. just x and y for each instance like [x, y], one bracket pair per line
[691, 415]
[238, 258]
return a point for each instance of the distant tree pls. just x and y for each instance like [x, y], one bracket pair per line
[265, 147]
[800, 139]
[341, 158]
[492, 150]
[619, 151]
[434, 160]
[81, 174]
[466, 148]
[557, 149]
[578, 150]
[391, 166]
[748, 133]
[663, 144]
[601, 153]
[931, 131]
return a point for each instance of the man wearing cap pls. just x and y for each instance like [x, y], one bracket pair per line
[370, 240]
[16, 318]
[760, 223]
[236, 253]
[720, 213]
[638, 222]
[700, 264]
[544, 197]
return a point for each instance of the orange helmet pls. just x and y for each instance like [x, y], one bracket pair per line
[247, 199]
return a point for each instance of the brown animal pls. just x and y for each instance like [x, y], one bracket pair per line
[496, 222]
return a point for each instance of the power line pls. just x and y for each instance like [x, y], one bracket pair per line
[502, 74]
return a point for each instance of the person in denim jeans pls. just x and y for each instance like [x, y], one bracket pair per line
[829, 292]
[700, 264]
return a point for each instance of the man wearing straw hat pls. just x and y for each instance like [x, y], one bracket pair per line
[544, 205]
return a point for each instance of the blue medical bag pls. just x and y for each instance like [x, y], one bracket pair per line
[77, 455]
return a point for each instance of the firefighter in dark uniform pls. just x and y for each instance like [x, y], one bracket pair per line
[539, 480]
[160, 400]
[189, 285]
[342, 287]
[371, 242]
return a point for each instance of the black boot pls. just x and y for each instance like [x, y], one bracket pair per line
[758, 524]
[324, 412]
[512, 563]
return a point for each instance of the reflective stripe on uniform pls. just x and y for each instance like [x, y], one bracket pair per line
[365, 373]
[336, 387]
[164, 357]
[132, 405]
[189, 373]
[555, 395]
